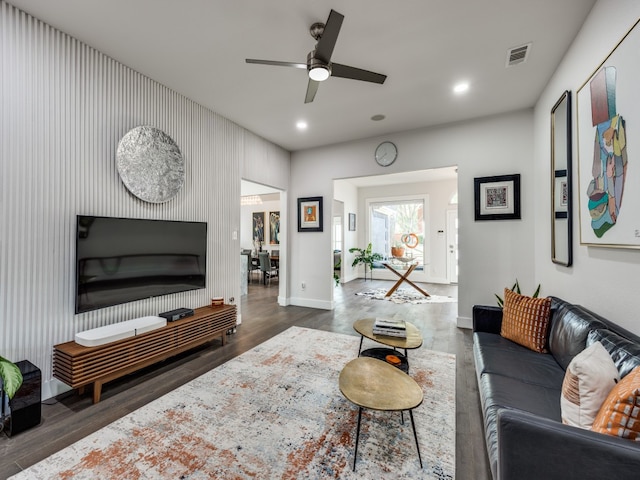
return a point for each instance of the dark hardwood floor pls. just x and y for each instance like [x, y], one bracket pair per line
[70, 417]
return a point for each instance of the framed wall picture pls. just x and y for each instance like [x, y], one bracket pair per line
[608, 193]
[258, 226]
[274, 228]
[310, 214]
[560, 194]
[352, 222]
[497, 198]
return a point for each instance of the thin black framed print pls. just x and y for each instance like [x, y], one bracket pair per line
[310, 214]
[497, 198]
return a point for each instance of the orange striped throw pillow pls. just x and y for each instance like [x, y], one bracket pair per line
[525, 320]
[619, 415]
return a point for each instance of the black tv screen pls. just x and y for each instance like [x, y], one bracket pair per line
[120, 260]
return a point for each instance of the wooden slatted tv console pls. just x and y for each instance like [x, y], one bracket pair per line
[79, 366]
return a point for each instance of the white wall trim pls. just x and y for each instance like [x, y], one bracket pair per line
[312, 303]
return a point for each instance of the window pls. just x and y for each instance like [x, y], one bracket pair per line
[398, 223]
[337, 234]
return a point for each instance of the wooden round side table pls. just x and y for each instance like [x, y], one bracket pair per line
[374, 384]
[364, 327]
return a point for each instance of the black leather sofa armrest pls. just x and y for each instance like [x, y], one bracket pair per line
[533, 447]
[487, 319]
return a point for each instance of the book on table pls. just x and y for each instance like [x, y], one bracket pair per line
[390, 327]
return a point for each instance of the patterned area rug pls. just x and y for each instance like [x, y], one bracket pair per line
[274, 412]
[405, 295]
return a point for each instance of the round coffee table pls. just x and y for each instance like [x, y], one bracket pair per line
[376, 385]
[364, 327]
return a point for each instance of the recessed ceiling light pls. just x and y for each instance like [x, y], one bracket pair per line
[378, 117]
[301, 125]
[461, 87]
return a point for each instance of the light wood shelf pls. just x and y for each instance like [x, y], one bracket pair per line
[79, 366]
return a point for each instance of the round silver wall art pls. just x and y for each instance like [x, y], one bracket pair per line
[150, 164]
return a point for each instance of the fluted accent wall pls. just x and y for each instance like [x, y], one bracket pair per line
[65, 107]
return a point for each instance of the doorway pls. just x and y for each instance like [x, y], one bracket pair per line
[263, 225]
[435, 188]
[452, 246]
[337, 240]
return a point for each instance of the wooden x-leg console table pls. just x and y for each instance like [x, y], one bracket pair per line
[404, 277]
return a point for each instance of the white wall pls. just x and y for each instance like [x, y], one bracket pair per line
[602, 279]
[65, 106]
[492, 253]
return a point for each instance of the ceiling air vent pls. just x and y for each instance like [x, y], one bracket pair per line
[518, 55]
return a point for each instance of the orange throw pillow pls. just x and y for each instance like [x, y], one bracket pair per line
[619, 415]
[525, 320]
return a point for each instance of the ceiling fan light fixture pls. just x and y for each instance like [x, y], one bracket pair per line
[318, 70]
[319, 73]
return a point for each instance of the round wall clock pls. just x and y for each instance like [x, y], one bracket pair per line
[386, 154]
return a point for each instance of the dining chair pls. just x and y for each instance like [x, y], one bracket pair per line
[254, 266]
[266, 268]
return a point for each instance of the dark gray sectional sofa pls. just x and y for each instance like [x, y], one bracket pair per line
[520, 396]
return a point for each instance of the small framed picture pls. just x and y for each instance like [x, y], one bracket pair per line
[561, 194]
[310, 214]
[497, 198]
[352, 222]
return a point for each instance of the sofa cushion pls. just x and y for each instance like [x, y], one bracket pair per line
[525, 320]
[620, 412]
[624, 353]
[589, 378]
[568, 331]
[495, 354]
[498, 392]
[501, 391]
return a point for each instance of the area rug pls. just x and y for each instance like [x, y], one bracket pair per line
[274, 412]
[405, 295]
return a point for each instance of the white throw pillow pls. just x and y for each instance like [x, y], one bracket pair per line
[589, 378]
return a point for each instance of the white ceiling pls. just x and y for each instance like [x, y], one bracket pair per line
[198, 48]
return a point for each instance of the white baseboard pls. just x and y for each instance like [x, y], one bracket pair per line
[311, 303]
[464, 322]
[53, 387]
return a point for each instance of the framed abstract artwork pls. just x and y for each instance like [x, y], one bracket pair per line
[310, 214]
[608, 193]
[352, 222]
[258, 226]
[497, 198]
[274, 228]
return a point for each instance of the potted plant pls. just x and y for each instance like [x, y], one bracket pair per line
[11, 381]
[397, 250]
[336, 273]
[366, 257]
[516, 288]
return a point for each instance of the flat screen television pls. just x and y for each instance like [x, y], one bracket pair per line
[120, 260]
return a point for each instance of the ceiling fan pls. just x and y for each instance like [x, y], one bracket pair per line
[319, 65]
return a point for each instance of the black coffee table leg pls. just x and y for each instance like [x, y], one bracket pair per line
[361, 340]
[415, 435]
[355, 453]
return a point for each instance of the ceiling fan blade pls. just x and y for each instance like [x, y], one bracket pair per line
[276, 63]
[312, 88]
[329, 37]
[345, 71]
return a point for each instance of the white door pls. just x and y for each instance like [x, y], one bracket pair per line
[452, 245]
